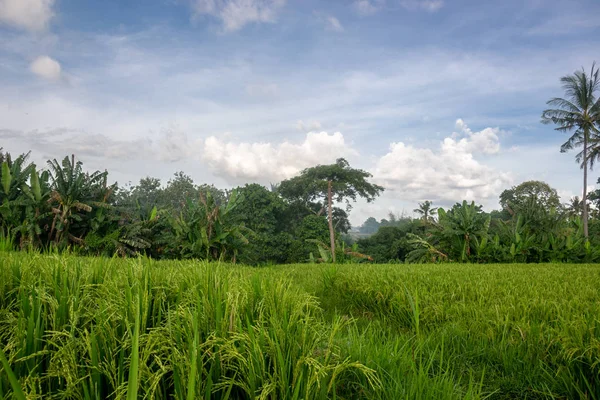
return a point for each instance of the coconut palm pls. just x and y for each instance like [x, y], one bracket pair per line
[578, 112]
[575, 207]
[425, 210]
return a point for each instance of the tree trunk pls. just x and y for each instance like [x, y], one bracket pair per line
[584, 200]
[331, 232]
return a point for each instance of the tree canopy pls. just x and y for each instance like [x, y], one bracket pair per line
[335, 182]
[518, 198]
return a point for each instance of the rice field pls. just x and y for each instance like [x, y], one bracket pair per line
[94, 328]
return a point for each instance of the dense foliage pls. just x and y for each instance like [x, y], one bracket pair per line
[530, 228]
[97, 328]
[66, 208]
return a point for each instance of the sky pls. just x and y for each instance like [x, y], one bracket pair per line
[439, 99]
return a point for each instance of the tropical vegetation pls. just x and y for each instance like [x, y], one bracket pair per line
[65, 208]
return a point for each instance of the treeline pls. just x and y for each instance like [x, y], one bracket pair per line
[531, 226]
[64, 208]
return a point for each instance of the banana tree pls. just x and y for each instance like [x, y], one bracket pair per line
[139, 235]
[36, 211]
[463, 229]
[345, 254]
[14, 177]
[520, 241]
[203, 229]
[423, 251]
[73, 195]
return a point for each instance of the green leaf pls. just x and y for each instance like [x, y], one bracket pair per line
[35, 185]
[132, 385]
[153, 213]
[17, 391]
[6, 177]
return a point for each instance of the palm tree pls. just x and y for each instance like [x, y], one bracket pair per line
[579, 111]
[425, 210]
[575, 207]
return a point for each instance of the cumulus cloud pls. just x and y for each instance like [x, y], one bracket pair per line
[367, 7]
[485, 141]
[235, 14]
[31, 15]
[46, 67]
[267, 162]
[426, 5]
[450, 173]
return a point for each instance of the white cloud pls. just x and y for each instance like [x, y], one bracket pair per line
[31, 15]
[447, 174]
[267, 162]
[334, 24]
[427, 5]
[46, 67]
[235, 14]
[485, 141]
[368, 7]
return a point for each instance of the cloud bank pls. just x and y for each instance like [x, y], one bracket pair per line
[267, 162]
[449, 173]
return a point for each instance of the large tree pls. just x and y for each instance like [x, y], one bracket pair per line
[370, 226]
[263, 213]
[578, 112]
[519, 198]
[334, 182]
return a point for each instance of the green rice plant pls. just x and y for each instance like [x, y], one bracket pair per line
[99, 328]
[7, 242]
[14, 383]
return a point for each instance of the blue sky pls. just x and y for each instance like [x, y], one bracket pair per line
[439, 99]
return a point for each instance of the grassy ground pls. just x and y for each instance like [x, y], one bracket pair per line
[109, 328]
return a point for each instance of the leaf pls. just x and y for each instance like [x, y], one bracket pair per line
[6, 177]
[132, 385]
[325, 254]
[153, 213]
[35, 185]
[17, 391]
